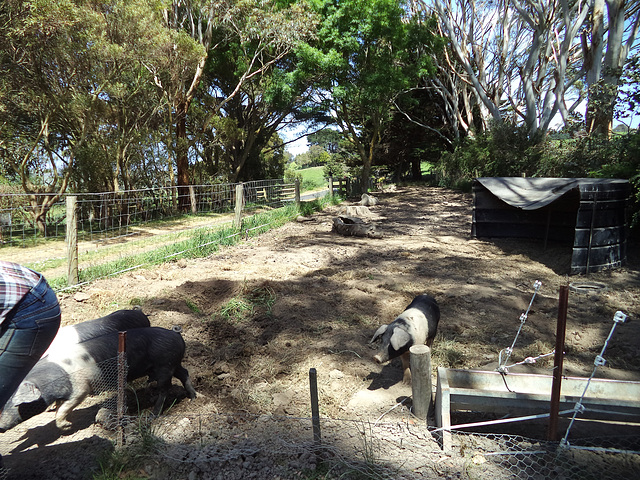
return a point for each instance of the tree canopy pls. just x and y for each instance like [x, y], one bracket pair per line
[123, 94]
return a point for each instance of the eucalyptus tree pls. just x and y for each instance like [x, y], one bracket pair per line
[243, 114]
[370, 52]
[53, 75]
[265, 33]
[607, 43]
[134, 40]
[527, 61]
[519, 56]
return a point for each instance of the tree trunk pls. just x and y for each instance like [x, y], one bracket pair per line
[182, 159]
[603, 93]
[416, 171]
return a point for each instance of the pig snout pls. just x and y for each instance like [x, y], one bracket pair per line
[381, 358]
[9, 418]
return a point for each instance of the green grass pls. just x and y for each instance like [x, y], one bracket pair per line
[249, 302]
[196, 243]
[426, 168]
[312, 178]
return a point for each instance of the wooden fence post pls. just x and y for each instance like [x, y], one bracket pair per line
[237, 222]
[72, 241]
[331, 186]
[192, 196]
[297, 192]
[315, 409]
[421, 391]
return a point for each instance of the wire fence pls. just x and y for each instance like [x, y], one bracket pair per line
[108, 215]
[397, 445]
[240, 445]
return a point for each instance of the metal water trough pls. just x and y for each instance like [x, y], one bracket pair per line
[517, 394]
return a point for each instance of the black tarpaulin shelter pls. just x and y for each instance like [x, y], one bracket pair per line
[590, 213]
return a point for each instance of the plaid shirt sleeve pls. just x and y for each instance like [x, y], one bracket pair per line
[15, 282]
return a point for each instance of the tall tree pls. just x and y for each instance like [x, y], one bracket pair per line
[606, 45]
[264, 33]
[245, 113]
[518, 56]
[52, 84]
[370, 52]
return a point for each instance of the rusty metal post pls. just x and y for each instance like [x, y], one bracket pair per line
[122, 383]
[563, 302]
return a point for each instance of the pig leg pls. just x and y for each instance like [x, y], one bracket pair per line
[406, 363]
[65, 409]
[182, 374]
[163, 388]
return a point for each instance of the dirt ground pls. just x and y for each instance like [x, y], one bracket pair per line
[258, 316]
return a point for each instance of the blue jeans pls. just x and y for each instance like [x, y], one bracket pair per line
[25, 334]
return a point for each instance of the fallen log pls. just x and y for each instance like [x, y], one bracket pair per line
[354, 227]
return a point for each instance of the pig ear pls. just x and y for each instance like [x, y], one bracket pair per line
[379, 332]
[399, 338]
[27, 393]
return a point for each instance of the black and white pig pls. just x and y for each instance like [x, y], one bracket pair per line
[416, 325]
[68, 377]
[118, 321]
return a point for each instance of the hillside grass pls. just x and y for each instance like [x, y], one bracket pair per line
[312, 178]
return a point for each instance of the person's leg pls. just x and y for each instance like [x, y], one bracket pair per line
[25, 335]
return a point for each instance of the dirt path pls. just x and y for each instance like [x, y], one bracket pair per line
[318, 297]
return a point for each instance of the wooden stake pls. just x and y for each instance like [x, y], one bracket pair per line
[421, 390]
[315, 409]
[237, 222]
[72, 241]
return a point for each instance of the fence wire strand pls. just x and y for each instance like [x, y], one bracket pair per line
[243, 445]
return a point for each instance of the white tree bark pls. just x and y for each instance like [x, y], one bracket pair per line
[516, 56]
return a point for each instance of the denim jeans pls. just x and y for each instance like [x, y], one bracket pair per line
[25, 334]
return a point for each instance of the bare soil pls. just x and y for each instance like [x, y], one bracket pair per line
[258, 316]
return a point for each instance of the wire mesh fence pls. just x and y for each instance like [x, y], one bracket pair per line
[204, 443]
[108, 215]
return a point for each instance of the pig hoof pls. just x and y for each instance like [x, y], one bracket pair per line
[63, 425]
[406, 380]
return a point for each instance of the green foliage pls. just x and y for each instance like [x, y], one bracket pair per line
[335, 167]
[126, 463]
[368, 53]
[328, 139]
[507, 151]
[628, 104]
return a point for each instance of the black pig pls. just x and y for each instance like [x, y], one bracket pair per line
[69, 376]
[118, 321]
